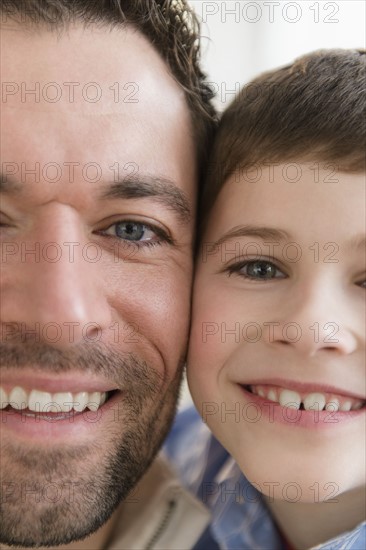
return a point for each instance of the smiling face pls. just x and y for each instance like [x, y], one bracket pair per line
[108, 212]
[277, 354]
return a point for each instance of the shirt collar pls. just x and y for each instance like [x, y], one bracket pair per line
[241, 519]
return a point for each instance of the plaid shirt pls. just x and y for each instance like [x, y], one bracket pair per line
[240, 518]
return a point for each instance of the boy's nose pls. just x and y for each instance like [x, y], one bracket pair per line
[314, 320]
[52, 289]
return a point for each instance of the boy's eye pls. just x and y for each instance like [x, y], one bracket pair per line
[260, 270]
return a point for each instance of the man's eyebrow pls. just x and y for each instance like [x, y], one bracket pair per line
[259, 232]
[161, 189]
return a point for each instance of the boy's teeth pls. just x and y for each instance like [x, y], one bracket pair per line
[290, 399]
[314, 401]
[45, 402]
[332, 405]
[311, 401]
[272, 395]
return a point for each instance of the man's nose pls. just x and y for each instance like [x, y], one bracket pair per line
[315, 318]
[56, 288]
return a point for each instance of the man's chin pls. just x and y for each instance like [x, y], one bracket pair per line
[65, 496]
[52, 497]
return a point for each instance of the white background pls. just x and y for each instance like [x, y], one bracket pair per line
[243, 38]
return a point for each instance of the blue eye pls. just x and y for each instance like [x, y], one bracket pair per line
[260, 270]
[132, 231]
[137, 233]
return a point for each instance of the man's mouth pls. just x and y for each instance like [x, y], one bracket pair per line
[41, 402]
[307, 401]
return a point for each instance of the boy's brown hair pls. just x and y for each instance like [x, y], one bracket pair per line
[311, 110]
[171, 26]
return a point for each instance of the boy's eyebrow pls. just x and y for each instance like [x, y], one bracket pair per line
[264, 233]
[161, 189]
[358, 242]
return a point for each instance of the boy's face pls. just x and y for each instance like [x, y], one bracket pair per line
[279, 329]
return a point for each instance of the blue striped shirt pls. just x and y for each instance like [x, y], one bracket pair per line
[240, 517]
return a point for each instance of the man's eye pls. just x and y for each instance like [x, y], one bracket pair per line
[133, 231]
[260, 270]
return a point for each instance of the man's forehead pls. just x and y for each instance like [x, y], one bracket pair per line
[94, 69]
[93, 95]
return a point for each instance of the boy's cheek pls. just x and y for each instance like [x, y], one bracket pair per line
[206, 373]
[214, 341]
[204, 362]
[202, 389]
[210, 344]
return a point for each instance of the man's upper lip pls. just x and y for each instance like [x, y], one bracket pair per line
[301, 387]
[70, 382]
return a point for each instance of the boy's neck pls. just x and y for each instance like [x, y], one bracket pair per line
[307, 525]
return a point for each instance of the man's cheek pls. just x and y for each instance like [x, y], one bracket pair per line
[153, 319]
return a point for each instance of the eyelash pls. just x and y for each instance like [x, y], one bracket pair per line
[236, 269]
[162, 235]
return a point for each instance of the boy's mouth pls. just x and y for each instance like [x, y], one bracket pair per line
[319, 401]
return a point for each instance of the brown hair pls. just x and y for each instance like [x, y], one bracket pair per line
[311, 110]
[170, 25]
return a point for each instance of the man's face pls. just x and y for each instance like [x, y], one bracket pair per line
[277, 353]
[95, 274]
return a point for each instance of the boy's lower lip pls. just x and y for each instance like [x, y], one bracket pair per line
[276, 413]
[58, 427]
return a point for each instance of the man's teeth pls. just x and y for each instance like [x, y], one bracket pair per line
[310, 401]
[44, 402]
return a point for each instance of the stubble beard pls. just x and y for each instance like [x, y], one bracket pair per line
[64, 494]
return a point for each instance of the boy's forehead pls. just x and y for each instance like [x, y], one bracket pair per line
[302, 199]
